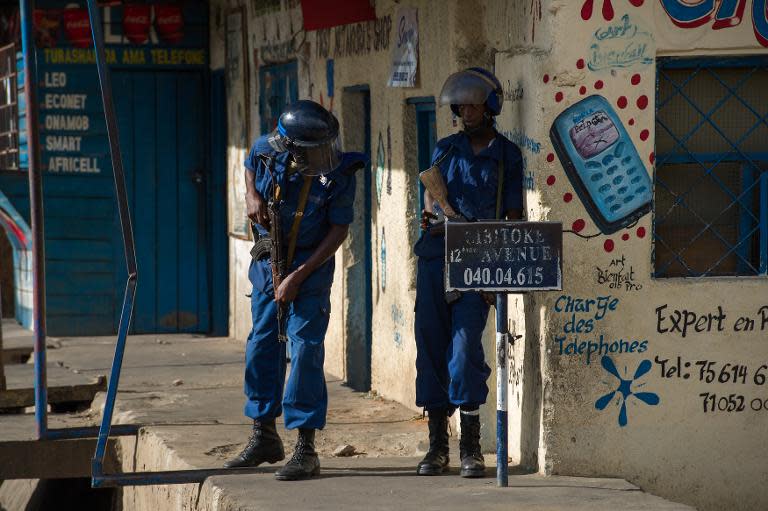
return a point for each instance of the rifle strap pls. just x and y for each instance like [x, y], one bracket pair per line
[500, 189]
[443, 156]
[294, 234]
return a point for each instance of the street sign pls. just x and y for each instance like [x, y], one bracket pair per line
[499, 255]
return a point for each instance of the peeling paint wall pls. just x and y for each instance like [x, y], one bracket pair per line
[624, 392]
[601, 342]
[452, 35]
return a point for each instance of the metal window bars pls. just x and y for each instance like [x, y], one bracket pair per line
[711, 175]
[9, 114]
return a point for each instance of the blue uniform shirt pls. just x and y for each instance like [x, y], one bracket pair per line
[330, 201]
[472, 182]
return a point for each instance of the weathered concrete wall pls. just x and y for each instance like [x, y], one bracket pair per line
[549, 55]
[452, 35]
[667, 444]
[149, 453]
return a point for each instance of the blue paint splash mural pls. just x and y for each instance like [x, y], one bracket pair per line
[379, 168]
[383, 260]
[624, 390]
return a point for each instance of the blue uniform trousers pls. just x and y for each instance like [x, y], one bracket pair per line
[305, 399]
[450, 364]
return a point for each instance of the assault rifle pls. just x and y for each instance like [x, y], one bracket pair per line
[277, 251]
[433, 182]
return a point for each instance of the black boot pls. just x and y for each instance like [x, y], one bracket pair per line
[436, 459]
[264, 445]
[304, 463]
[472, 462]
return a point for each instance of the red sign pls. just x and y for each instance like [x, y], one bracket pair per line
[47, 25]
[136, 23]
[77, 27]
[330, 13]
[169, 23]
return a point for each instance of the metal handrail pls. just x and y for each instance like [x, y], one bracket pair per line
[98, 477]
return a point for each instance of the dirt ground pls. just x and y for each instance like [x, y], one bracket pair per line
[183, 380]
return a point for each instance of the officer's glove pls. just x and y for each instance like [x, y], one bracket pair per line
[426, 217]
[435, 223]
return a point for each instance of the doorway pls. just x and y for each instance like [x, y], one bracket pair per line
[426, 138]
[358, 274]
[163, 138]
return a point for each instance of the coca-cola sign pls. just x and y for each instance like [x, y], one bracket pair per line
[169, 23]
[136, 23]
[77, 27]
[47, 25]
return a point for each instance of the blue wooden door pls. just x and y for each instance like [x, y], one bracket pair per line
[163, 137]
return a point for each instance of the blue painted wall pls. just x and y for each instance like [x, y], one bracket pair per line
[20, 237]
[175, 181]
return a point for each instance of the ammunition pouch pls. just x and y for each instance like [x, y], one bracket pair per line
[262, 248]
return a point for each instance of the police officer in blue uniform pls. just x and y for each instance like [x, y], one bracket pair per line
[451, 371]
[303, 151]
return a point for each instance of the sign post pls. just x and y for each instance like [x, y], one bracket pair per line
[503, 257]
[502, 333]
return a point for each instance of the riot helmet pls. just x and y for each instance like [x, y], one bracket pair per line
[473, 86]
[311, 134]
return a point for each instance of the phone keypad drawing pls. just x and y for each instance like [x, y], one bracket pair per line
[602, 163]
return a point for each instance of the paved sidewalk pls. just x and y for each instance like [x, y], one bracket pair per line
[187, 391]
[387, 483]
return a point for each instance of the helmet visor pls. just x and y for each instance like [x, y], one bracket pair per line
[317, 160]
[310, 160]
[466, 88]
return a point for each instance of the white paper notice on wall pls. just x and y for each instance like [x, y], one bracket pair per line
[405, 50]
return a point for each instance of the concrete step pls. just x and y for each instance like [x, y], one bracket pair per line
[65, 388]
[24, 457]
[18, 342]
[367, 483]
[186, 392]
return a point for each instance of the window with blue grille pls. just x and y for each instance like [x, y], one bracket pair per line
[10, 79]
[711, 179]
